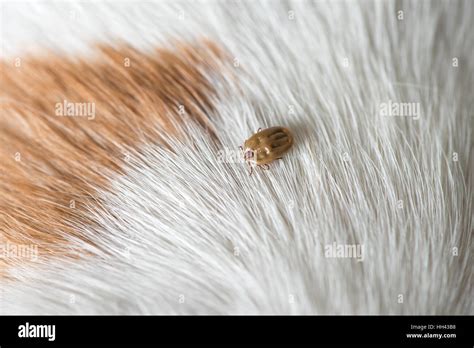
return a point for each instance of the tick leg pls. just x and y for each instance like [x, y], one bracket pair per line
[251, 170]
[241, 148]
[259, 130]
[265, 166]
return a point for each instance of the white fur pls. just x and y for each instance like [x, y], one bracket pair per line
[172, 224]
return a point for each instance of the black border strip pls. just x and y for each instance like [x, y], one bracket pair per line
[288, 330]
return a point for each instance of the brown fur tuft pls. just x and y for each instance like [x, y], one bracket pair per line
[50, 163]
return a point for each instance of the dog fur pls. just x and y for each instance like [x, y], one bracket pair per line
[146, 208]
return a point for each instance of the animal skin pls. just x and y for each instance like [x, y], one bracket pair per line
[123, 190]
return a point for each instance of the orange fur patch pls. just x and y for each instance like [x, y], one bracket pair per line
[51, 165]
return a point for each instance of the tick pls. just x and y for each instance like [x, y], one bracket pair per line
[266, 145]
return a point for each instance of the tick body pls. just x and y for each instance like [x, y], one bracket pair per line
[267, 145]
